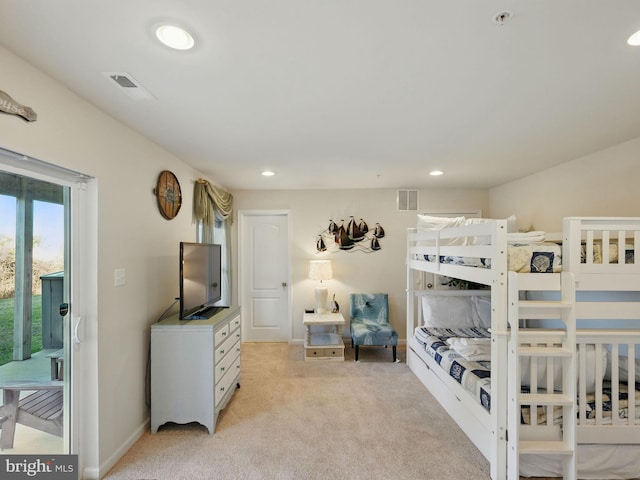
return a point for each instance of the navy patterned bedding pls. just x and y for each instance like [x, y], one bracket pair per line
[607, 407]
[543, 257]
[474, 377]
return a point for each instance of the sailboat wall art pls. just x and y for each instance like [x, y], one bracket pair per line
[355, 236]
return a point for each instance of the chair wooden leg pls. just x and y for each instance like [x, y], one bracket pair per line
[394, 354]
[9, 417]
[356, 353]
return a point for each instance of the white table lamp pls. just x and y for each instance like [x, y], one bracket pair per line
[320, 270]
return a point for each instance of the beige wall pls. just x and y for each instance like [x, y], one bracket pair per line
[128, 233]
[354, 271]
[604, 183]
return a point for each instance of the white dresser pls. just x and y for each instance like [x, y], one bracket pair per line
[195, 368]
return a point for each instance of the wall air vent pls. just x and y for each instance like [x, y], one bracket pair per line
[128, 85]
[407, 200]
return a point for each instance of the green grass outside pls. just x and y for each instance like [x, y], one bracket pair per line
[6, 327]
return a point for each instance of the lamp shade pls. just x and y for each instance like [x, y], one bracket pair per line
[320, 270]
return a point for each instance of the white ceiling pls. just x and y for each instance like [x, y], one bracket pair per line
[351, 93]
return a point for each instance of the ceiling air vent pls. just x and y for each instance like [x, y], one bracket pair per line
[407, 200]
[128, 85]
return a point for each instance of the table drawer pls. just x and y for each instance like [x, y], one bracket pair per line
[334, 352]
[315, 352]
[325, 352]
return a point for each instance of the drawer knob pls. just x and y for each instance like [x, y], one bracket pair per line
[222, 369]
[222, 352]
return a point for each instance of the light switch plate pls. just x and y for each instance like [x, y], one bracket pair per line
[119, 277]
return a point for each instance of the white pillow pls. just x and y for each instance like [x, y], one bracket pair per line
[448, 311]
[427, 222]
[472, 349]
[623, 368]
[512, 225]
[482, 310]
[480, 239]
[525, 372]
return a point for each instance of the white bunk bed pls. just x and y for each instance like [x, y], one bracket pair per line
[538, 322]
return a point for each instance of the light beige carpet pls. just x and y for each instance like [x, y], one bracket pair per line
[314, 420]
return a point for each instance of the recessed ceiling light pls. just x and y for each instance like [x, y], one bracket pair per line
[175, 37]
[268, 173]
[436, 173]
[634, 40]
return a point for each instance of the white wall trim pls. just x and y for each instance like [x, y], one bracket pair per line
[109, 463]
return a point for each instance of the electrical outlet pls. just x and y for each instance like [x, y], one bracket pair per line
[119, 277]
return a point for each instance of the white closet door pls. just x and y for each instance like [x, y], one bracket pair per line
[264, 276]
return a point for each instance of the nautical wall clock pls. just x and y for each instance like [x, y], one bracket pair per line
[169, 194]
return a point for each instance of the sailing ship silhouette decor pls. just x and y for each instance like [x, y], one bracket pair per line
[355, 236]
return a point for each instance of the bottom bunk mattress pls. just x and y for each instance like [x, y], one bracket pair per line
[594, 461]
[465, 355]
[473, 375]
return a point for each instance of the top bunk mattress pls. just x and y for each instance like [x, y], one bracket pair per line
[472, 245]
[544, 257]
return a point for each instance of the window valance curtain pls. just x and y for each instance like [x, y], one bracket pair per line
[211, 203]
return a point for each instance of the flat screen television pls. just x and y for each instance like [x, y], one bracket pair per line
[200, 280]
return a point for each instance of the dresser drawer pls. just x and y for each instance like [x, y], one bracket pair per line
[234, 324]
[222, 334]
[224, 348]
[225, 363]
[228, 381]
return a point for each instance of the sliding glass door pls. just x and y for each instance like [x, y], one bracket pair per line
[35, 278]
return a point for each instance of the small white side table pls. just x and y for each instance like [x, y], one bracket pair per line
[323, 345]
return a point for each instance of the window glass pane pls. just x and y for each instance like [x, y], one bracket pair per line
[48, 237]
[221, 236]
[7, 244]
[7, 275]
[218, 234]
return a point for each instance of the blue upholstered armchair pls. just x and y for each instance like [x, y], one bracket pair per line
[370, 321]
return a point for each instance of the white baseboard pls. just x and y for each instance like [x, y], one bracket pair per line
[96, 474]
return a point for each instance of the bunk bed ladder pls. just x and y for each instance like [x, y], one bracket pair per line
[533, 347]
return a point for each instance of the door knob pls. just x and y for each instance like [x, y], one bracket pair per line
[284, 284]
